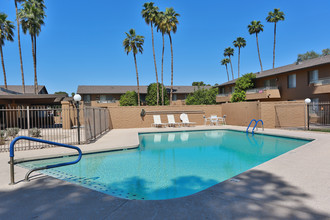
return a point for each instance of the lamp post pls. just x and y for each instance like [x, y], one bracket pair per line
[77, 99]
[307, 101]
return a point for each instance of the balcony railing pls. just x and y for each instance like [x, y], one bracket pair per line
[261, 89]
[224, 94]
[321, 81]
[107, 101]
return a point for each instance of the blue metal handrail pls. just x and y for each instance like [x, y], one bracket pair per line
[247, 129]
[11, 162]
[262, 123]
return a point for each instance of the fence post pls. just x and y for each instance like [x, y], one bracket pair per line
[28, 117]
[100, 121]
[94, 128]
[307, 117]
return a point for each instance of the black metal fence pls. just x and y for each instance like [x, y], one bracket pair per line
[319, 115]
[53, 123]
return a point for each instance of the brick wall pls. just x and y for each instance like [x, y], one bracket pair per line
[129, 116]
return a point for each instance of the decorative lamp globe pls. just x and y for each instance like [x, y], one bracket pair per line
[77, 97]
[308, 100]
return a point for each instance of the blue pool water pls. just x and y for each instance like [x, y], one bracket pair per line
[171, 165]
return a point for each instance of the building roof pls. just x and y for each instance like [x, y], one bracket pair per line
[14, 89]
[289, 68]
[123, 89]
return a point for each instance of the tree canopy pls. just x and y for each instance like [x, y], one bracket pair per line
[201, 83]
[312, 54]
[202, 97]
[62, 92]
[130, 98]
[151, 98]
[242, 84]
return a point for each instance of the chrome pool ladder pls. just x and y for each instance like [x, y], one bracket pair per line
[11, 162]
[256, 123]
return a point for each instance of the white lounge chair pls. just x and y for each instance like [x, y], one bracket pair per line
[171, 121]
[185, 120]
[158, 122]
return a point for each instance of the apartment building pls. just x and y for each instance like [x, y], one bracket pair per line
[298, 81]
[110, 95]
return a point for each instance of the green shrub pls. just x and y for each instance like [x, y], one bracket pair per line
[35, 132]
[202, 97]
[242, 84]
[12, 132]
[151, 98]
[130, 98]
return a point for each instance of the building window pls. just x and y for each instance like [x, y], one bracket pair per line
[313, 76]
[87, 98]
[175, 97]
[222, 90]
[232, 89]
[107, 99]
[270, 83]
[292, 81]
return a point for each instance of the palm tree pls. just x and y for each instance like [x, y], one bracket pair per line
[170, 22]
[162, 28]
[32, 17]
[254, 28]
[275, 17]
[149, 13]
[225, 61]
[134, 43]
[6, 33]
[228, 53]
[19, 44]
[239, 42]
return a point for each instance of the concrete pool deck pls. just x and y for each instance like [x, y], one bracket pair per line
[295, 185]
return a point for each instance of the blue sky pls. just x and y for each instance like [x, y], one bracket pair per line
[81, 43]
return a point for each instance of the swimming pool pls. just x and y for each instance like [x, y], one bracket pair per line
[171, 165]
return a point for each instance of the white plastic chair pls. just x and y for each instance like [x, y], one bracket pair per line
[223, 119]
[158, 122]
[185, 120]
[171, 121]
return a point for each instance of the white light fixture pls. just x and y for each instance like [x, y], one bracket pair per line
[77, 97]
[308, 100]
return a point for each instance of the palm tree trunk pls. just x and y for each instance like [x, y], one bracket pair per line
[231, 66]
[239, 57]
[227, 72]
[19, 48]
[171, 94]
[3, 68]
[153, 49]
[137, 80]
[163, 69]
[274, 45]
[35, 66]
[35, 47]
[259, 52]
